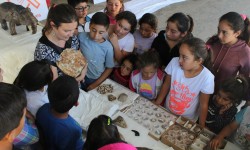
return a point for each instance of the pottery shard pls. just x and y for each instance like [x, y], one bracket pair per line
[120, 122]
[122, 97]
[111, 97]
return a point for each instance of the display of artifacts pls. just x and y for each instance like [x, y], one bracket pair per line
[151, 116]
[89, 107]
[202, 141]
[71, 62]
[178, 137]
[113, 92]
[17, 15]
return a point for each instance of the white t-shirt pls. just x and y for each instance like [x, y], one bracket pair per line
[127, 43]
[183, 97]
[36, 99]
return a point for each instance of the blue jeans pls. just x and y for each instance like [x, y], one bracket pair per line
[86, 83]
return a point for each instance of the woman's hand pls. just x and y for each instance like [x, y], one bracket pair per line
[54, 72]
[83, 74]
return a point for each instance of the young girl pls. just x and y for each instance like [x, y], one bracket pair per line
[231, 54]
[113, 7]
[34, 78]
[241, 129]
[167, 43]
[121, 37]
[102, 134]
[222, 106]
[188, 83]
[81, 8]
[122, 74]
[146, 34]
[147, 80]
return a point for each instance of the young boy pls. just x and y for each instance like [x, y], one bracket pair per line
[12, 114]
[59, 129]
[98, 51]
[81, 7]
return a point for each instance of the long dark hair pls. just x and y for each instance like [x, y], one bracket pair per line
[34, 75]
[61, 13]
[101, 131]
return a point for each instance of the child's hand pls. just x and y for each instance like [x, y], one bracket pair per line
[156, 102]
[113, 38]
[1, 75]
[215, 143]
[248, 137]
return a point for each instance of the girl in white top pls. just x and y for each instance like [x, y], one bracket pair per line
[189, 83]
[121, 36]
[34, 78]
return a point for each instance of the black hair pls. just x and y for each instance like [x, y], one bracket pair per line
[132, 58]
[63, 93]
[149, 58]
[236, 88]
[73, 3]
[12, 104]
[130, 17]
[61, 13]
[236, 22]
[100, 18]
[101, 132]
[184, 22]
[200, 51]
[34, 75]
[121, 10]
[149, 19]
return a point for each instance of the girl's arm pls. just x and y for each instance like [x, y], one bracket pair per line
[118, 53]
[204, 99]
[228, 130]
[103, 77]
[164, 90]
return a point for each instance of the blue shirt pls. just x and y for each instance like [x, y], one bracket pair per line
[99, 55]
[59, 134]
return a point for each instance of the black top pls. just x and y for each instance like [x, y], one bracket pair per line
[161, 46]
[215, 121]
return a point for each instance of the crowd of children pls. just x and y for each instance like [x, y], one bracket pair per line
[202, 81]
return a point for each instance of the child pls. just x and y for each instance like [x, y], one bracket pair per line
[34, 78]
[81, 8]
[97, 50]
[241, 128]
[102, 134]
[146, 34]
[167, 43]
[147, 80]
[122, 74]
[12, 111]
[113, 7]
[59, 129]
[188, 83]
[222, 107]
[122, 38]
[230, 45]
